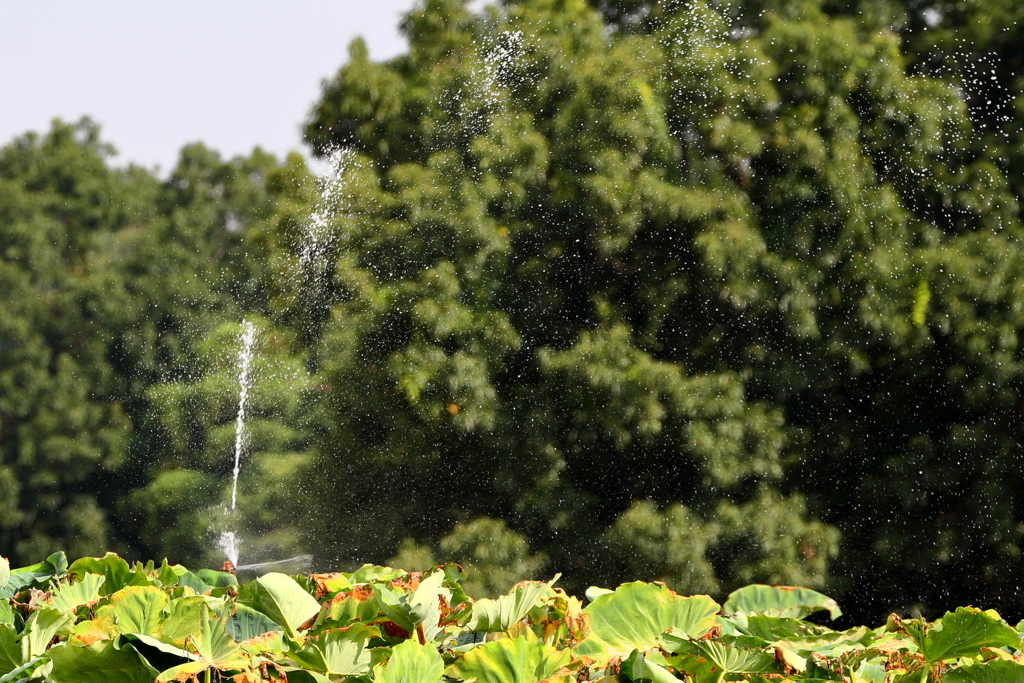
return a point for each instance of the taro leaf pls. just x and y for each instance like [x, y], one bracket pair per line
[215, 648]
[359, 604]
[411, 663]
[5, 571]
[184, 619]
[6, 612]
[501, 613]
[635, 616]
[216, 579]
[780, 601]
[157, 653]
[283, 600]
[339, 652]
[116, 571]
[962, 634]
[372, 572]
[509, 661]
[731, 660]
[10, 649]
[302, 676]
[421, 607]
[54, 566]
[99, 663]
[135, 609]
[168, 574]
[67, 596]
[190, 580]
[994, 671]
[871, 672]
[34, 669]
[638, 668]
[40, 628]
[246, 623]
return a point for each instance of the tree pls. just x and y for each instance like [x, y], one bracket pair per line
[110, 278]
[697, 280]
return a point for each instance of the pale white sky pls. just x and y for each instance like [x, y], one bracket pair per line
[157, 75]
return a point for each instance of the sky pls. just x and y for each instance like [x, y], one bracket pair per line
[157, 75]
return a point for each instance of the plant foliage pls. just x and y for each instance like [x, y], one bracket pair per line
[383, 625]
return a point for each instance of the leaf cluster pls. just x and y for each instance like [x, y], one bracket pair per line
[102, 619]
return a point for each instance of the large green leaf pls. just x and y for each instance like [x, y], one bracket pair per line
[40, 629]
[54, 566]
[245, 623]
[35, 669]
[639, 669]
[411, 662]
[499, 614]
[420, 608]
[995, 671]
[339, 652]
[99, 663]
[184, 618]
[962, 634]
[67, 596]
[284, 601]
[135, 609]
[158, 653]
[215, 648]
[780, 601]
[10, 649]
[116, 572]
[5, 571]
[730, 660]
[509, 661]
[635, 615]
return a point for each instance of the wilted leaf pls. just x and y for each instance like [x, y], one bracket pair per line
[418, 608]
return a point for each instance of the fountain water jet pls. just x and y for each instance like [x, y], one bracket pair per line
[229, 540]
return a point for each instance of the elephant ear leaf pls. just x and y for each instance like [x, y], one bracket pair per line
[284, 601]
[99, 663]
[215, 648]
[635, 615]
[499, 614]
[962, 633]
[411, 663]
[509, 661]
[780, 601]
[994, 671]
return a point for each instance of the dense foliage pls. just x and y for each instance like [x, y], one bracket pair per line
[705, 293]
[101, 619]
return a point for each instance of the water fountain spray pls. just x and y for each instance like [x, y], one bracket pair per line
[229, 541]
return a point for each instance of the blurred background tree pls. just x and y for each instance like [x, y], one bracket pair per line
[710, 293]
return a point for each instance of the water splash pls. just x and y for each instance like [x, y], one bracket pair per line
[230, 541]
[330, 184]
[244, 382]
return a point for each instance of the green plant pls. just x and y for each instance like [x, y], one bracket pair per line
[101, 619]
